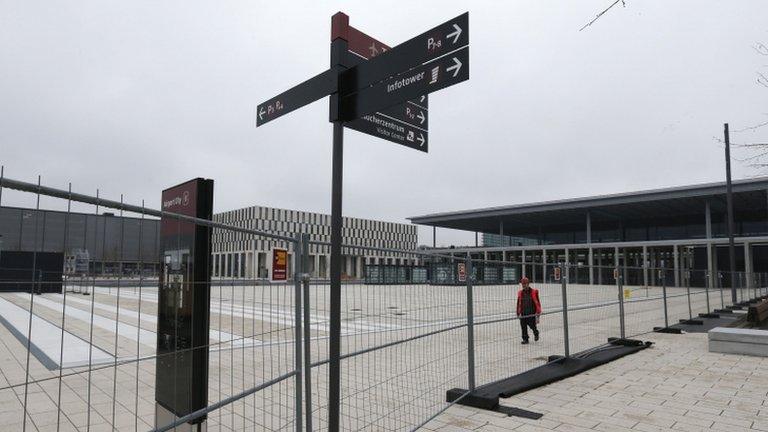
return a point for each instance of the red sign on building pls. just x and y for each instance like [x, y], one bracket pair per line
[462, 272]
[279, 264]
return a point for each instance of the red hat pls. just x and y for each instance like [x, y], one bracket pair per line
[524, 280]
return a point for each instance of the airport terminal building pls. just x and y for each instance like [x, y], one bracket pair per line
[237, 255]
[680, 228]
[109, 245]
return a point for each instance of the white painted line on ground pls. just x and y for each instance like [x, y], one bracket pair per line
[128, 331]
[46, 338]
[216, 335]
[281, 316]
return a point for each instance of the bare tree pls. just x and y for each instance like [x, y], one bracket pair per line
[597, 17]
[757, 152]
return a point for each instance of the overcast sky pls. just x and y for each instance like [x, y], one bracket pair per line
[133, 97]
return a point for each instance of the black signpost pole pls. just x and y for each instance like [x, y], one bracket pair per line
[339, 24]
[334, 367]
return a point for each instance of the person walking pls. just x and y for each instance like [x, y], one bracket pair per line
[528, 309]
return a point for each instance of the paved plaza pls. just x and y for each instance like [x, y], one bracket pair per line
[392, 388]
[675, 385]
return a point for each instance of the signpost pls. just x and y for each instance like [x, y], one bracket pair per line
[462, 270]
[384, 95]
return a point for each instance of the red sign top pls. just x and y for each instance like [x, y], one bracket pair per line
[339, 26]
[279, 264]
[462, 272]
[364, 45]
[357, 41]
[181, 199]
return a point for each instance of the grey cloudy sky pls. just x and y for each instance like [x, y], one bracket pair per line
[133, 97]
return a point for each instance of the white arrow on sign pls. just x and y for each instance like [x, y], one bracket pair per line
[421, 117]
[456, 67]
[420, 139]
[261, 113]
[455, 35]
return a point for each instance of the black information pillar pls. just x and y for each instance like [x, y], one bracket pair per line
[181, 383]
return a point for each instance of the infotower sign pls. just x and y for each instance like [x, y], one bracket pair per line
[181, 379]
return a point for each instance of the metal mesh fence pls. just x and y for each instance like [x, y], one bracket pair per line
[80, 349]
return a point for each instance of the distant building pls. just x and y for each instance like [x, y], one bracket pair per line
[237, 255]
[494, 240]
[679, 228]
[102, 243]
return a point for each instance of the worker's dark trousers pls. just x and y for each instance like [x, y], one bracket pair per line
[528, 322]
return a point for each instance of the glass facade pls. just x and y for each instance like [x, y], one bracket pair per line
[746, 224]
[495, 240]
[104, 237]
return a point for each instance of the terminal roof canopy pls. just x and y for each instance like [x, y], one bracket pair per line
[677, 203]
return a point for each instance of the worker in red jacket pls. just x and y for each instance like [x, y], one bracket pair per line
[528, 309]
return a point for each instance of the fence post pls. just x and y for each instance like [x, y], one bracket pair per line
[307, 338]
[706, 291]
[470, 326]
[617, 274]
[687, 276]
[298, 270]
[720, 285]
[566, 339]
[753, 278]
[741, 287]
[663, 278]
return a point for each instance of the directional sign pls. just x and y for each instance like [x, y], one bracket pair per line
[434, 43]
[409, 113]
[437, 75]
[392, 130]
[404, 124]
[363, 47]
[303, 94]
